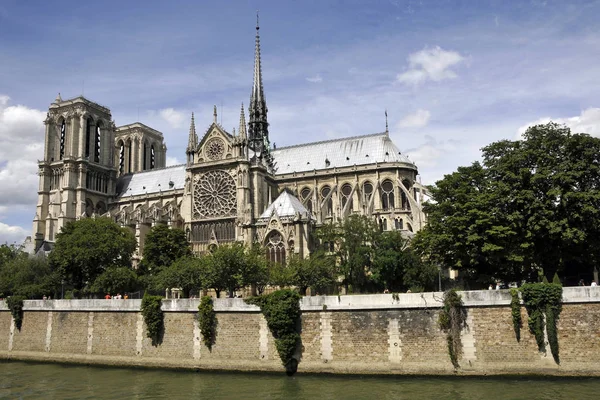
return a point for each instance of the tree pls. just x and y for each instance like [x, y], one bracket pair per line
[27, 276]
[226, 265]
[188, 273]
[162, 246]
[115, 280]
[86, 248]
[533, 205]
[397, 268]
[318, 272]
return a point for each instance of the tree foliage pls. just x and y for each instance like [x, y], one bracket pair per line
[188, 273]
[115, 280]
[318, 272]
[27, 276]
[533, 204]
[162, 247]
[86, 248]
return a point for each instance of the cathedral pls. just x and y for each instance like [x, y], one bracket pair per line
[234, 186]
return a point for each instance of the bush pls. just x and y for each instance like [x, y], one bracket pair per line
[15, 305]
[451, 321]
[282, 312]
[543, 299]
[207, 319]
[153, 317]
[515, 306]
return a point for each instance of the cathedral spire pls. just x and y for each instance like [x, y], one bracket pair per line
[193, 138]
[258, 126]
[242, 127]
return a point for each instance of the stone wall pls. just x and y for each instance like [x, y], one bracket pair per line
[367, 334]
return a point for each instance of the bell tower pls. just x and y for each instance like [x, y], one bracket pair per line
[77, 176]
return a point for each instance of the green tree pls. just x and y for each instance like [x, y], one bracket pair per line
[532, 205]
[86, 248]
[188, 273]
[27, 276]
[115, 280]
[162, 246]
[397, 267]
[226, 266]
[318, 272]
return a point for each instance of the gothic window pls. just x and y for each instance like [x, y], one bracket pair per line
[144, 157]
[97, 144]
[121, 158]
[152, 160]
[214, 195]
[88, 128]
[399, 224]
[275, 248]
[129, 145]
[63, 138]
[202, 231]
[327, 204]
[89, 208]
[306, 198]
[346, 195]
[367, 192]
[409, 227]
[404, 200]
[215, 149]
[387, 195]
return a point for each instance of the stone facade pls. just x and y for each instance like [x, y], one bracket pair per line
[231, 186]
[363, 334]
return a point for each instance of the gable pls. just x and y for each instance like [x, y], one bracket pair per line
[216, 144]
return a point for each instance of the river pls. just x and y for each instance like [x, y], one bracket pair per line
[19, 380]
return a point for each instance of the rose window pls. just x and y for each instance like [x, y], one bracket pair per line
[214, 195]
[215, 149]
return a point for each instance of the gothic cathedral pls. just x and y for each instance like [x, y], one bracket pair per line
[234, 186]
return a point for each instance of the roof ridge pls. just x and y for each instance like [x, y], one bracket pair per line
[153, 169]
[330, 140]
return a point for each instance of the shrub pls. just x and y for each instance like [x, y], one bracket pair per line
[153, 317]
[15, 305]
[282, 312]
[451, 321]
[515, 306]
[207, 319]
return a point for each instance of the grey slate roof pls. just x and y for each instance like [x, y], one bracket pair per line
[286, 205]
[344, 152]
[151, 181]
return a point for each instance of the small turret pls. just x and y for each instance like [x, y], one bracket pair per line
[192, 142]
[242, 128]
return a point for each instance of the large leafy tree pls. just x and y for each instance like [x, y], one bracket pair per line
[115, 280]
[162, 246]
[188, 273]
[27, 276]
[533, 205]
[397, 267]
[318, 272]
[84, 249]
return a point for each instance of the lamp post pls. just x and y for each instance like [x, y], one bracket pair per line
[62, 289]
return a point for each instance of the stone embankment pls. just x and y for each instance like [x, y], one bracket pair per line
[357, 334]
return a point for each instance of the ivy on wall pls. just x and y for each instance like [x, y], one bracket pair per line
[543, 302]
[153, 317]
[515, 306]
[15, 305]
[281, 309]
[207, 320]
[451, 321]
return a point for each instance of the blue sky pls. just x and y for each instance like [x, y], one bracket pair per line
[453, 75]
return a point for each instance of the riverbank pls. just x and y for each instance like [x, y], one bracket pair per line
[384, 334]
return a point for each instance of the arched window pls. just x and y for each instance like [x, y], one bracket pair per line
[89, 208]
[129, 145]
[145, 157]
[97, 143]
[328, 204]
[387, 195]
[152, 159]
[346, 195]
[88, 132]
[399, 224]
[275, 248]
[121, 158]
[63, 138]
[367, 192]
[307, 199]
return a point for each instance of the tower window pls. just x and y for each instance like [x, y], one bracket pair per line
[97, 145]
[63, 134]
[152, 159]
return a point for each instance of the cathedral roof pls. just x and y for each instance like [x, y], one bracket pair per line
[286, 205]
[336, 153]
[151, 181]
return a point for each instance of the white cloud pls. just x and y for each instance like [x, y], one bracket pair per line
[12, 234]
[587, 122]
[430, 64]
[22, 143]
[175, 118]
[315, 79]
[172, 161]
[428, 154]
[418, 119]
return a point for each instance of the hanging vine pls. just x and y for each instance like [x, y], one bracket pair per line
[153, 317]
[452, 320]
[543, 302]
[207, 319]
[281, 309]
[15, 305]
[515, 306]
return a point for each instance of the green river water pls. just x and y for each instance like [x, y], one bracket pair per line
[20, 380]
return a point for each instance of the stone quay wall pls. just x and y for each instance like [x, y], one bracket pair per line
[356, 334]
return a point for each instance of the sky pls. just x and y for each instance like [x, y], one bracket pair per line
[453, 75]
